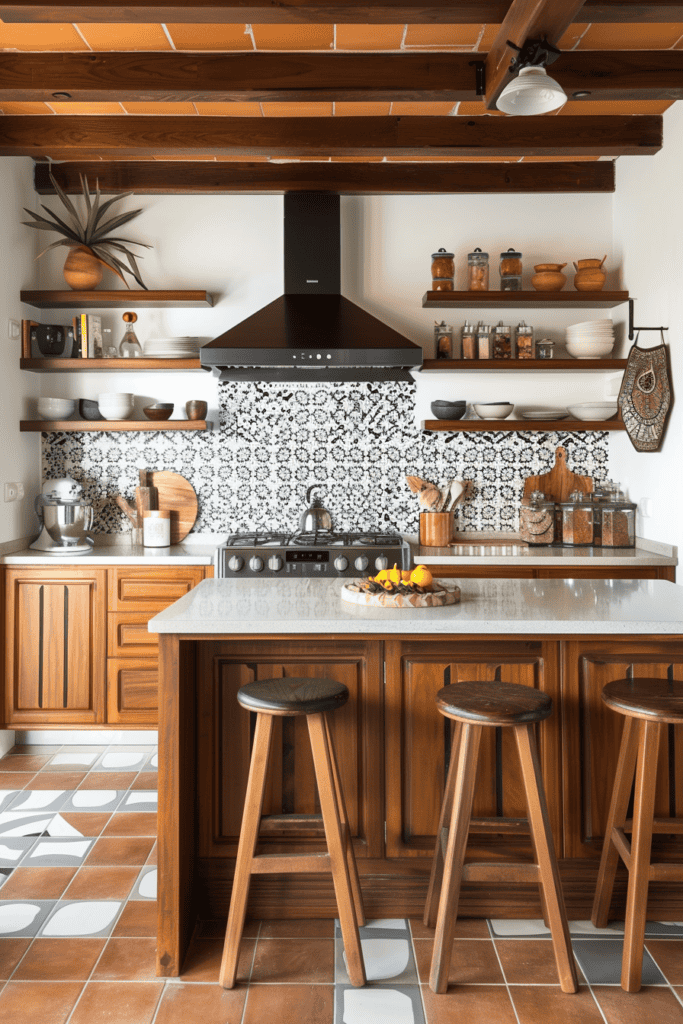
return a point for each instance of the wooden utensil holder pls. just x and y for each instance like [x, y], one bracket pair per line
[436, 529]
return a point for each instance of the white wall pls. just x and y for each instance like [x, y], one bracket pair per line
[648, 235]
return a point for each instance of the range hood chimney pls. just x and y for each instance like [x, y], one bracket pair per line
[311, 333]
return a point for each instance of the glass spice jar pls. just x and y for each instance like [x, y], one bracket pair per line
[525, 341]
[537, 519]
[510, 269]
[483, 341]
[577, 520]
[469, 341]
[478, 271]
[502, 341]
[443, 340]
[616, 524]
[545, 349]
[443, 271]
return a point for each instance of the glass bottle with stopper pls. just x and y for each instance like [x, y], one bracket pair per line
[130, 347]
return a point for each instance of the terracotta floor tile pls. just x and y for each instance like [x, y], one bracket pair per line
[87, 824]
[139, 918]
[37, 883]
[465, 928]
[542, 1004]
[154, 855]
[145, 780]
[203, 960]
[206, 1003]
[23, 762]
[530, 962]
[120, 850]
[34, 748]
[289, 1004]
[216, 929]
[478, 1004]
[128, 960]
[11, 952]
[108, 1002]
[308, 929]
[652, 1003]
[294, 960]
[57, 780]
[60, 960]
[668, 955]
[130, 824]
[15, 780]
[472, 961]
[108, 780]
[102, 883]
[22, 1001]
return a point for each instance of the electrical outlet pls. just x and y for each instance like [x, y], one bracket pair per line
[13, 330]
[645, 507]
[14, 491]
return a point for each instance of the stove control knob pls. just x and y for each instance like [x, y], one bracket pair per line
[235, 563]
[382, 562]
[341, 563]
[256, 564]
[361, 563]
[274, 563]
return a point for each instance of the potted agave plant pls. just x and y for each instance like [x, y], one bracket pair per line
[89, 238]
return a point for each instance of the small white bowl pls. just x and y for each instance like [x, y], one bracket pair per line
[589, 349]
[56, 408]
[493, 410]
[116, 406]
[594, 410]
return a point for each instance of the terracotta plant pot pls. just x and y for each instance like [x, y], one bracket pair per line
[82, 269]
[549, 277]
[589, 277]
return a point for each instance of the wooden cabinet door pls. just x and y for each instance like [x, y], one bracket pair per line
[150, 588]
[418, 739]
[55, 646]
[132, 691]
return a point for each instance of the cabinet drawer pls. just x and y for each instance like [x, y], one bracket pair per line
[132, 691]
[128, 636]
[150, 589]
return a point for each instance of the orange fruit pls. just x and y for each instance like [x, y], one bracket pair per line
[421, 576]
[382, 576]
[405, 575]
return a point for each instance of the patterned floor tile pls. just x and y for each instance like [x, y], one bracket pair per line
[72, 759]
[33, 823]
[23, 918]
[140, 800]
[87, 801]
[123, 760]
[7, 796]
[600, 961]
[22, 1001]
[120, 781]
[514, 929]
[378, 1005]
[387, 952]
[56, 853]
[57, 960]
[12, 850]
[465, 928]
[57, 780]
[15, 780]
[145, 780]
[87, 823]
[82, 918]
[40, 800]
[146, 885]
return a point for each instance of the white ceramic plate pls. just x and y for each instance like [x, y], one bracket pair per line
[594, 410]
[545, 414]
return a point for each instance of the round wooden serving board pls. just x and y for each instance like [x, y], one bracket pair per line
[177, 495]
[437, 598]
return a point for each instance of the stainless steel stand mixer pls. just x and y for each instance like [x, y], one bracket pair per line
[65, 519]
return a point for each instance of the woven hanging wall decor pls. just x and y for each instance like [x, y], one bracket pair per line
[645, 396]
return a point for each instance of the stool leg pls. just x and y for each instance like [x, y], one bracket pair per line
[463, 794]
[253, 805]
[436, 876]
[336, 847]
[547, 862]
[350, 856]
[641, 846]
[623, 784]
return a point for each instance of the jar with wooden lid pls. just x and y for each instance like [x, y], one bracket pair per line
[537, 519]
[577, 520]
[545, 349]
[616, 524]
[503, 346]
[478, 271]
[443, 271]
[525, 341]
[510, 268]
[484, 341]
[469, 341]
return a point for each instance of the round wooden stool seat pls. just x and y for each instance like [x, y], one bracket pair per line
[299, 696]
[493, 703]
[655, 700]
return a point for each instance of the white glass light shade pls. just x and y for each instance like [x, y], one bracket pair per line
[532, 92]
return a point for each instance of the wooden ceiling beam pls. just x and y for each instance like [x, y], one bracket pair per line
[175, 177]
[296, 77]
[484, 136]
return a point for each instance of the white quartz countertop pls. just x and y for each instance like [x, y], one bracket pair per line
[118, 554]
[515, 552]
[534, 607]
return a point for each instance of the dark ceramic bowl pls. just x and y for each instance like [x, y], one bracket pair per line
[160, 411]
[89, 409]
[449, 410]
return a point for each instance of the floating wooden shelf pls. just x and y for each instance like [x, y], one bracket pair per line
[506, 300]
[44, 426]
[523, 364]
[464, 426]
[99, 365]
[135, 298]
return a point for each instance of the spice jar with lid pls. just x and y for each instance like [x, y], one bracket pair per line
[510, 271]
[525, 341]
[469, 340]
[483, 341]
[615, 524]
[537, 519]
[502, 341]
[545, 349]
[478, 271]
[443, 271]
[577, 520]
[443, 340]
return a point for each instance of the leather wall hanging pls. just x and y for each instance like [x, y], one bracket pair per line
[645, 396]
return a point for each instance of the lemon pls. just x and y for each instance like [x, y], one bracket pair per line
[421, 576]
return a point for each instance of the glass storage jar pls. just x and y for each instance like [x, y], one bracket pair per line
[510, 268]
[484, 341]
[443, 340]
[478, 271]
[525, 341]
[443, 271]
[616, 524]
[577, 520]
[469, 341]
[502, 341]
[545, 349]
[537, 519]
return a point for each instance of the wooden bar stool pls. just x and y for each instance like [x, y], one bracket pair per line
[474, 706]
[648, 704]
[313, 698]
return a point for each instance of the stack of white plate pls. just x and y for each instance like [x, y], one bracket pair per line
[590, 340]
[172, 348]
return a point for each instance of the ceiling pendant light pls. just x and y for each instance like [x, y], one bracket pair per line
[533, 91]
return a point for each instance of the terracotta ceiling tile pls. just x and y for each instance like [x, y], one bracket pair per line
[185, 157]
[24, 108]
[86, 108]
[369, 37]
[293, 37]
[240, 158]
[679, 44]
[40, 37]
[210, 37]
[616, 107]
[357, 159]
[558, 159]
[631, 37]
[125, 37]
[476, 109]
[488, 35]
[229, 109]
[158, 108]
[459, 36]
[572, 36]
[362, 109]
[422, 109]
[297, 109]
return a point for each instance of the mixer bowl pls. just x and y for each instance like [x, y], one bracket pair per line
[68, 524]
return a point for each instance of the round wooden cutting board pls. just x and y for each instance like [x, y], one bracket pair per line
[178, 496]
[437, 598]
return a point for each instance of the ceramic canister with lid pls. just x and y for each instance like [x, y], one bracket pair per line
[156, 528]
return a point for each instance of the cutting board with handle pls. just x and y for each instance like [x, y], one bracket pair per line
[177, 495]
[559, 483]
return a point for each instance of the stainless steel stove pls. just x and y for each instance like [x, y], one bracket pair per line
[323, 553]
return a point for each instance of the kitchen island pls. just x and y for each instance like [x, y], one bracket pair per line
[565, 637]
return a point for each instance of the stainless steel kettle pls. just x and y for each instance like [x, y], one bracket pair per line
[316, 517]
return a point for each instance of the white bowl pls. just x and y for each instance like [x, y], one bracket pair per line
[592, 349]
[493, 410]
[594, 410]
[116, 406]
[56, 408]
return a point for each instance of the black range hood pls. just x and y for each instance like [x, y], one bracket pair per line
[311, 333]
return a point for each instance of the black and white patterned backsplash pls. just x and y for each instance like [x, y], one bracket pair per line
[357, 440]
